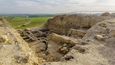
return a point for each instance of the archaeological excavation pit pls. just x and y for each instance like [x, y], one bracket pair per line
[53, 51]
[51, 47]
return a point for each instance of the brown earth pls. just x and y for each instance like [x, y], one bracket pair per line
[52, 47]
[99, 49]
[62, 24]
[13, 49]
[66, 40]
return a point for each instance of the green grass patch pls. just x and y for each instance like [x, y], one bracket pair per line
[23, 22]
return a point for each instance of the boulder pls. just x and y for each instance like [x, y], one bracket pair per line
[100, 37]
[76, 33]
[112, 32]
[62, 39]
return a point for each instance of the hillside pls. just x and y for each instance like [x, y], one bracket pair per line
[65, 40]
[62, 24]
[13, 49]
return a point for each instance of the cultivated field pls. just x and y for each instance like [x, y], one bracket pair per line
[25, 22]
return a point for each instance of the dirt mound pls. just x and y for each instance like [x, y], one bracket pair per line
[63, 23]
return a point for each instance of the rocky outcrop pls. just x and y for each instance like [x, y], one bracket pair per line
[99, 49]
[62, 39]
[63, 23]
[105, 41]
[77, 33]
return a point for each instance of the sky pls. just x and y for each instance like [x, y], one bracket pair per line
[54, 6]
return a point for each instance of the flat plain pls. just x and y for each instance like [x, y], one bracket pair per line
[27, 22]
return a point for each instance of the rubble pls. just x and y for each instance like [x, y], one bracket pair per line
[112, 32]
[100, 37]
[33, 35]
[2, 39]
[67, 58]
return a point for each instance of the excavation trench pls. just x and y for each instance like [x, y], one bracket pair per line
[46, 46]
[53, 47]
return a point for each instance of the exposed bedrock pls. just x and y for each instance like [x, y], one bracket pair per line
[63, 23]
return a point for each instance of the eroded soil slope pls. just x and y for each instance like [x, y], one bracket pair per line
[13, 49]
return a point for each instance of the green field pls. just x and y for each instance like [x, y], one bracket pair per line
[24, 22]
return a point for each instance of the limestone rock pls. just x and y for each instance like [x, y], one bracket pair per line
[112, 32]
[64, 39]
[76, 33]
[99, 37]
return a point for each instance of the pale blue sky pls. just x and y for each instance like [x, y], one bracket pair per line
[54, 6]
